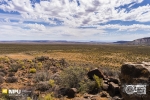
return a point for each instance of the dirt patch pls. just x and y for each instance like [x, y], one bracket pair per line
[20, 56]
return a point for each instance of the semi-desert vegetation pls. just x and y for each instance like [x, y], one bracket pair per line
[104, 55]
[50, 69]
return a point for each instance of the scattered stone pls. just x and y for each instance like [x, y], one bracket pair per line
[104, 94]
[115, 90]
[117, 98]
[105, 86]
[95, 97]
[71, 92]
[96, 72]
[62, 91]
[115, 80]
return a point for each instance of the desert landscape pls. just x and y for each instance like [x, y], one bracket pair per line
[67, 71]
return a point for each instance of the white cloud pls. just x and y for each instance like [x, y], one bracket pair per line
[38, 27]
[89, 11]
[133, 27]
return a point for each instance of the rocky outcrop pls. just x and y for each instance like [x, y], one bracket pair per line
[142, 41]
[134, 75]
[96, 72]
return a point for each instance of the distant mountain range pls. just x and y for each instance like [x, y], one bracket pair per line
[141, 41]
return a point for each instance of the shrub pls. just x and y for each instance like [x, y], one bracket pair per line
[39, 65]
[63, 63]
[11, 79]
[43, 86]
[86, 86]
[2, 74]
[42, 76]
[1, 79]
[23, 67]
[28, 98]
[11, 74]
[48, 97]
[14, 67]
[72, 76]
[51, 82]
[32, 70]
[42, 58]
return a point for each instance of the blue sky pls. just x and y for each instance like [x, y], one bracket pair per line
[74, 20]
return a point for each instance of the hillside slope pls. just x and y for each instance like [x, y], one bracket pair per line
[142, 41]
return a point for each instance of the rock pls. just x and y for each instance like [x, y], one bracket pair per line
[96, 72]
[115, 90]
[91, 97]
[62, 91]
[86, 95]
[135, 70]
[115, 80]
[105, 86]
[104, 94]
[95, 98]
[135, 74]
[71, 92]
[105, 81]
[117, 98]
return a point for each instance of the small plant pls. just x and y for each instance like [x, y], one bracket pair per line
[23, 67]
[39, 65]
[99, 81]
[28, 98]
[32, 70]
[48, 97]
[51, 82]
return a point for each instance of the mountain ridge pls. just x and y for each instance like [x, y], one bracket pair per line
[140, 41]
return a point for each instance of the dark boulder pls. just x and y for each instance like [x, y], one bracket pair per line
[71, 92]
[96, 72]
[114, 89]
[135, 74]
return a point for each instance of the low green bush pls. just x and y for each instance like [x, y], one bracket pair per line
[32, 70]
